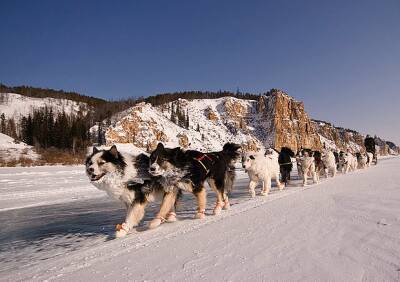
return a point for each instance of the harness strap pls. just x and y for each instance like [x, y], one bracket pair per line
[199, 159]
[287, 163]
[204, 156]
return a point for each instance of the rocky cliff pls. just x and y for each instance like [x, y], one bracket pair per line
[338, 137]
[290, 124]
[274, 120]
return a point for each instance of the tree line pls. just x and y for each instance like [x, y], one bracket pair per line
[44, 128]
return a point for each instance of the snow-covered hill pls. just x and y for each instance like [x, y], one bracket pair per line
[15, 105]
[212, 122]
[12, 150]
[275, 120]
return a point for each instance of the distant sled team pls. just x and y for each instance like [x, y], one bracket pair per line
[167, 172]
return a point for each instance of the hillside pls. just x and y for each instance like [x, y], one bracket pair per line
[193, 119]
[16, 105]
[11, 149]
[275, 119]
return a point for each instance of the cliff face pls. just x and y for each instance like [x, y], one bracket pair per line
[292, 126]
[275, 120]
[340, 138]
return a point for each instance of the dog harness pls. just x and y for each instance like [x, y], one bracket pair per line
[200, 160]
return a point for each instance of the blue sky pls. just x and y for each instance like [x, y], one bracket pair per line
[342, 58]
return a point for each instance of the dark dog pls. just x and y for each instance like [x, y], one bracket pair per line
[319, 164]
[285, 163]
[192, 168]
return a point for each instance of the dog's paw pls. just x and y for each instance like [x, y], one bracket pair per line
[217, 210]
[121, 230]
[200, 215]
[252, 194]
[120, 233]
[264, 193]
[226, 206]
[155, 223]
[171, 217]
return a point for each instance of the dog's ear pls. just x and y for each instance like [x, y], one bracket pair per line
[160, 146]
[114, 151]
[95, 150]
[252, 157]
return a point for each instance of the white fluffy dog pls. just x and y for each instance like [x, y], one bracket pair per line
[350, 162]
[262, 167]
[328, 158]
[306, 166]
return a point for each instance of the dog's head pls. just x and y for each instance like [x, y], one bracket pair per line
[160, 160]
[248, 160]
[102, 162]
[305, 153]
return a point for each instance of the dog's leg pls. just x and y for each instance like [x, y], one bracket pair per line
[227, 205]
[278, 183]
[133, 217]
[314, 174]
[166, 206]
[220, 201]
[266, 186]
[252, 187]
[201, 197]
[305, 176]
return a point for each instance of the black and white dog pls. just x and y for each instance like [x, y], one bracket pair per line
[126, 178]
[285, 163]
[193, 168]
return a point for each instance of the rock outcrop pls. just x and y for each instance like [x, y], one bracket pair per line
[274, 120]
[291, 125]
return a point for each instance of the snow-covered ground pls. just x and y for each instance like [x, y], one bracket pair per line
[56, 226]
[10, 149]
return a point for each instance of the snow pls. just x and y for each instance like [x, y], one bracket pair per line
[343, 229]
[213, 133]
[9, 149]
[15, 105]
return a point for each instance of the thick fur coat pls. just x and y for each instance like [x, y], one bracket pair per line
[306, 166]
[126, 178]
[192, 168]
[264, 168]
[329, 160]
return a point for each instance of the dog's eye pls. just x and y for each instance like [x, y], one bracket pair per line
[101, 162]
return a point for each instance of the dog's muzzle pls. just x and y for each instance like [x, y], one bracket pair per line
[94, 177]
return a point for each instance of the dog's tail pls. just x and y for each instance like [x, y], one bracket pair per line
[231, 153]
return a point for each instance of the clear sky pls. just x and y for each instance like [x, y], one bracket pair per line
[342, 58]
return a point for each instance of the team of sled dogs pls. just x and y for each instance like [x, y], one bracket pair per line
[167, 172]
